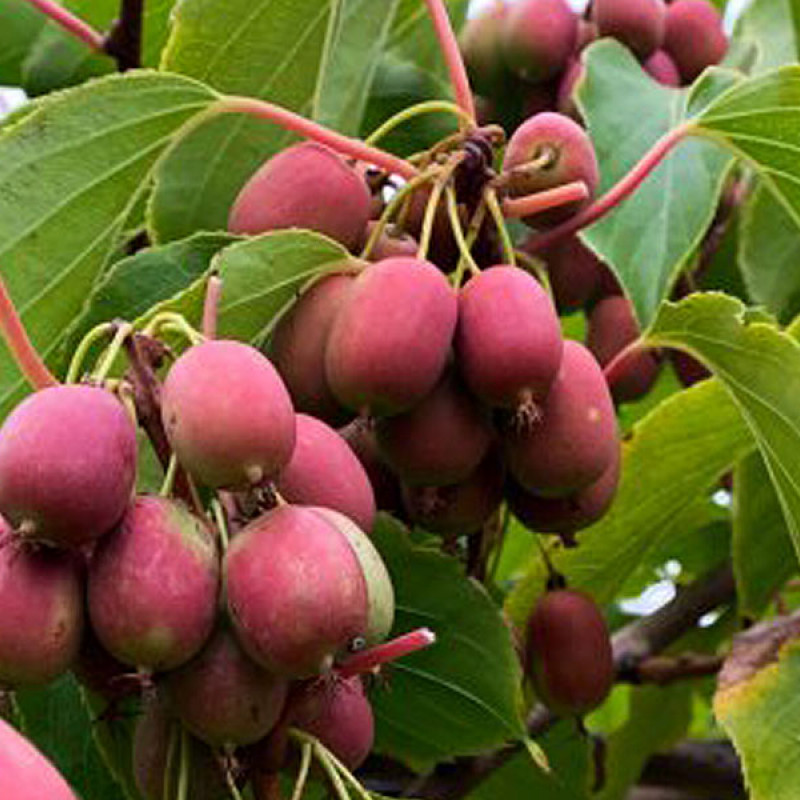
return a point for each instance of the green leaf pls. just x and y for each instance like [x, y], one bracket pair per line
[56, 719]
[460, 696]
[69, 174]
[763, 556]
[353, 51]
[657, 717]
[758, 705]
[648, 238]
[260, 278]
[760, 367]
[671, 464]
[271, 49]
[135, 284]
[769, 254]
[20, 24]
[774, 26]
[414, 39]
[759, 120]
[567, 751]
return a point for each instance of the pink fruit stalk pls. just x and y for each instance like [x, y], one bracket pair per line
[25, 774]
[67, 464]
[309, 186]
[153, 585]
[324, 471]
[390, 340]
[227, 415]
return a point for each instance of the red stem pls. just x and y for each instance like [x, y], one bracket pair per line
[452, 56]
[368, 660]
[70, 23]
[617, 193]
[16, 337]
[211, 306]
[354, 148]
[520, 207]
[615, 366]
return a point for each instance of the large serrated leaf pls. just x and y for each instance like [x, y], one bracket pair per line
[758, 705]
[460, 696]
[671, 463]
[759, 365]
[763, 556]
[647, 239]
[271, 49]
[20, 24]
[69, 174]
[774, 26]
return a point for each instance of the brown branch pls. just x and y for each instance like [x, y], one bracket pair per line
[663, 670]
[124, 39]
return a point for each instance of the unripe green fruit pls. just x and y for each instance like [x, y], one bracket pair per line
[309, 186]
[390, 340]
[549, 150]
[295, 621]
[297, 347]
[41, 597]
[339, 714]
[153, 585]
[575, 440]
[25, 774]
[67, 464]
[227, 415]
[508, 341]
[538, 37]
[223, 697]
[694, 36]
[638, 24]
[568, 653]
[611, 327]
[324, 471]
[439, 441]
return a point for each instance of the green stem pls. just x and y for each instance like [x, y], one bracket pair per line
[346, 774]
[325, 759]
[169, 478]
[302, 774]
[175, 322]
[472, 234]
[532, 264]
[490, 196]
[428, 107]
[97, 333]
[222, 523]
[123, 331]
[232, 787]
[458, 233]
[172, 746]
[183, 776]
[430, 216]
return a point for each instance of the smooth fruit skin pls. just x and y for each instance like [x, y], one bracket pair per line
[153, 585]
[380, 592]
[575, 273]
[297, 347]
[296, 592]
[568, 651]
[611, 327]
[223, 697]
[25, 774]
[565, 515]
[228, 415]
[41, 597]
[694, 36]
[67, 464]
[324, 471]
[662, 68]
[538, 38]
[442, 440]
[575, 440]
[308, 186]
[638, 24]
[481, 41]
[564, 153]
[508, 341]
[390, 340]
[339, 714]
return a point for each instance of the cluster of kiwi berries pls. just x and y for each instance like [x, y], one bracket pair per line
[519, 66]
[126, 589]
